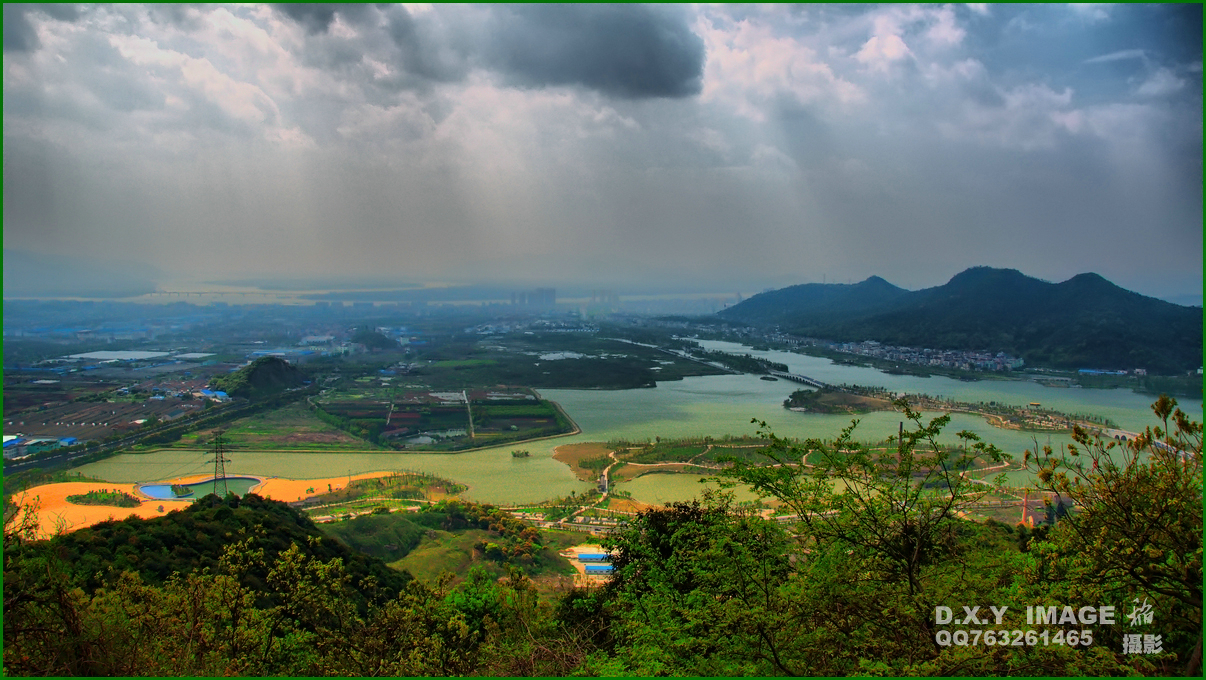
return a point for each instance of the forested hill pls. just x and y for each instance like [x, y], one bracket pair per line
[193, 539]
[816, 303]
[264, 376]
[1084, 322]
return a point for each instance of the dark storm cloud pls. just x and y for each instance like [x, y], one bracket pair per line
[315, 18]
[318, 17]
[421, 52]
[417, 51]
[628, 51]
[61, 12]
[185, 17]
[19, 33]
[442, 139]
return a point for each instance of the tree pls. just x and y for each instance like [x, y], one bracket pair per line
[695, 591]
[1137, 528]
[899, 504]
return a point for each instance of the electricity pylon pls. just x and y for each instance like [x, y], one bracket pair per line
[219, 462]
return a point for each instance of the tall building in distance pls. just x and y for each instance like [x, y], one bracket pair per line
[604, 297]
[541, 297]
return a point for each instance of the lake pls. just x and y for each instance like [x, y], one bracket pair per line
[693, 407]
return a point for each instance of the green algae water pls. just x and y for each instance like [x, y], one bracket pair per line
[694, 407]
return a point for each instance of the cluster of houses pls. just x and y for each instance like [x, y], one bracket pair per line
[19, 446]
[571, 324]
[959, 359]
[966, 360]
[96, 421]
[161, 393]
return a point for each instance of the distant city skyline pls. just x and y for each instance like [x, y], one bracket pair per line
[619, 147]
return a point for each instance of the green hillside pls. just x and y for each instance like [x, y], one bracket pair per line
[193, 539]
[452, 535]
[1084, 322]
[262, 377]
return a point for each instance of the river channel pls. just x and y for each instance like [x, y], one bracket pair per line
[707, 405]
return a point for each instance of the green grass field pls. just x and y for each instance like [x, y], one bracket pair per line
[447, 551]
[291, 427]
[441, 551]
[749, 453]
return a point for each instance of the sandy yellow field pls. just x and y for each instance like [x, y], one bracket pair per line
[55, 514]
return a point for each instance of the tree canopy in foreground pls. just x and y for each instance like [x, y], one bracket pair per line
[852, 586]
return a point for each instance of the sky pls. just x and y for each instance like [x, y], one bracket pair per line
[631, 147]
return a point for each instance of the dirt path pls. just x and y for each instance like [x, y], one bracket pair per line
[572, 454]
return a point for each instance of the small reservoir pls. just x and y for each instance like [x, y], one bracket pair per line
[239, 486]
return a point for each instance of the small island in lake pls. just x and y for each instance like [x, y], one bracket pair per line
[119, 499]
[857, 399]
[829, 400]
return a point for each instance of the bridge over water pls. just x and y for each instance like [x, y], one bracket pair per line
[812, 382]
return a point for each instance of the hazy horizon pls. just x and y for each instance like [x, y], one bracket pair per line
[676, 149]
[163, 288]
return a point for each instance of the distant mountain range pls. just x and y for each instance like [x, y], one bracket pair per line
[1084, 322]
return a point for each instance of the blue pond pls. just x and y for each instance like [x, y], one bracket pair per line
[236, 485]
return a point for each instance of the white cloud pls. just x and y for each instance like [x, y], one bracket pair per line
[340, 29]
[885, 45]
[1118, 56]
[1091, 11]
[243, 101]
[963, 71]
[1121, 122]
[767, 157]
[238, 31]
[376, 123]
[195, 123]
[1132, 135]
[494, 131]
[945, 31]
[749, 67]
[1028, 117]
[711, 139]
[1161, 84]
[292, 137]
[1019, 24]
[879, 52]
[897, 30]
